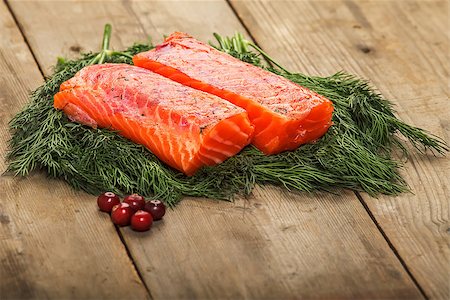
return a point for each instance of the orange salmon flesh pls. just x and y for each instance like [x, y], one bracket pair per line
[285, 115]
[184, 127]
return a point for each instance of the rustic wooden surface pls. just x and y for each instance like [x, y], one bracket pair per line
[275, 244]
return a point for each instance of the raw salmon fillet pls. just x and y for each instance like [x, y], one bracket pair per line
[184, 127]
[285, 115]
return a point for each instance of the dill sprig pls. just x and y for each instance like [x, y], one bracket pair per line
[356, 153]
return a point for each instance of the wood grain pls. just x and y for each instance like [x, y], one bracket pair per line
[53, 241]
[276, 244]
[402, 47]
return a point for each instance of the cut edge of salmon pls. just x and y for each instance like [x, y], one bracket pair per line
[274, 133]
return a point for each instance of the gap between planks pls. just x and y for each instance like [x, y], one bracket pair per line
[141, 278]
[357, 194]
[391, 246]
[43, 75]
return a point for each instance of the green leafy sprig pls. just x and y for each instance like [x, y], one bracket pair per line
[356, 153]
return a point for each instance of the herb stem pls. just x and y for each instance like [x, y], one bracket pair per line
[94, 60]
[106, 37]
[268, 58]
[105, 43]
[102, 57]
[116, 53]
[105, 52]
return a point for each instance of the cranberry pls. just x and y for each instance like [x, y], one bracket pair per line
[135, 201]
[156, 208]
[141, 221]
[121, 214]
[107, 200]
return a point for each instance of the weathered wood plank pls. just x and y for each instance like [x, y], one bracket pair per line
[275, 244]
[53, 242]
[402, 47]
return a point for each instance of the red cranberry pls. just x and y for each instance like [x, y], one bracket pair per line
[141, 221]
[156, 208]
[135, 201]
[107, 200]
[121, 214]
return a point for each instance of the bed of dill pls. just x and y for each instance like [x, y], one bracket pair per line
[356, 153]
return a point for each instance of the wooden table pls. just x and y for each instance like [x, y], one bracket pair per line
[276, 244]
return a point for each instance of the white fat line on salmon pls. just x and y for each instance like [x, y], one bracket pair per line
[213, 158]
[217, 150]
[265, 129]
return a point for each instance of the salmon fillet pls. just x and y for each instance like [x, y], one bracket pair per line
[184, 127]
[285, 115]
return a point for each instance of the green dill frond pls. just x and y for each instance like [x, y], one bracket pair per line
[355, 154]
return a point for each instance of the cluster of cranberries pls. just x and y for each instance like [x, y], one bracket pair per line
[133, 210]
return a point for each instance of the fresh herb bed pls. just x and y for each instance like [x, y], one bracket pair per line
[356, 153]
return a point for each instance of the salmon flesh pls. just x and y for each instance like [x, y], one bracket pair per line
[184, 127]
[285, 115]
